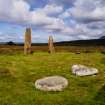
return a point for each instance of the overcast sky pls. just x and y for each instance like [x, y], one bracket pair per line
[63, 19]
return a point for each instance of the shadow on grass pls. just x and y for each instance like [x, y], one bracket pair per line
[4, 72]
[103, 60]
[100, 97]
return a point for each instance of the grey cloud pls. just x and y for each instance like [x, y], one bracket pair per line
[65, 3]
[96, 25]
[87, 17]
[88, 11]
[10, 37]
[19, 12]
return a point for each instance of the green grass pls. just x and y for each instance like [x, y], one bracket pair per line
[18, 74]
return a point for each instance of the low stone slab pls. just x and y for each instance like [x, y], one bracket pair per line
[51, 83]
[81, 70]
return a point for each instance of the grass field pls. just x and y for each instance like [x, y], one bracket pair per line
[18, 74]
[12, 49]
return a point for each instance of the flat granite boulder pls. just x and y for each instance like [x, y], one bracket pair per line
[51, 83]
[81, 70]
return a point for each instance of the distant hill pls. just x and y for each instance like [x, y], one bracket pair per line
[92, 42]
[103, 37]
[10, 43]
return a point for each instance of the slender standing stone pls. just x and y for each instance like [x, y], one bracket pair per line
[27, 43]
[51, 45]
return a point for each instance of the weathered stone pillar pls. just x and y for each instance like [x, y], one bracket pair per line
[27, 41]
[51, 45]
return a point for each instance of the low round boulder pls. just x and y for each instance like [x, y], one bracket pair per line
[81, 70]
[51, 83]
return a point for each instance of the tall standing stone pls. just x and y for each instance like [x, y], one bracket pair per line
[51, 45]
[27, 43]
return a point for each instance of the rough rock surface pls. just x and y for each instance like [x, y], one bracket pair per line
[51, 83]
[81, 70]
